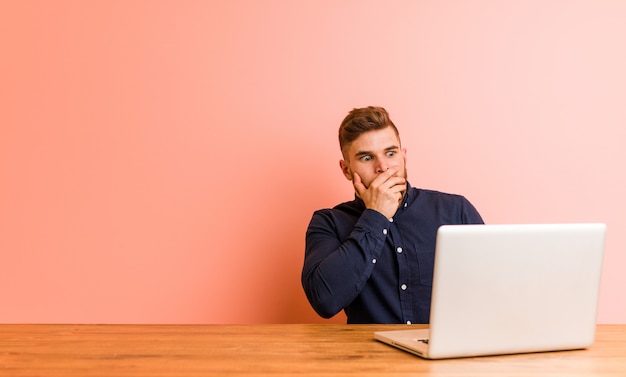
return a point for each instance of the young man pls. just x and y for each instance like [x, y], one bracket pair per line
[373, 257]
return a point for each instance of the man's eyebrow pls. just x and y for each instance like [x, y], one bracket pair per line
[365, 153]
[362, 153]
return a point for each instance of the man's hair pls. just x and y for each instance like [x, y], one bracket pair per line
[360, 121]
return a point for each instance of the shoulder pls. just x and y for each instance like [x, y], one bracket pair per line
[452, 207]
[338, 221]
[352, 207]
[345, 210]
[438, 195]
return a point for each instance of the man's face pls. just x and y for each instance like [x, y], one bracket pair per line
[373, 153]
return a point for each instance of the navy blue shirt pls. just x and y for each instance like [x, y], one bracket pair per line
[378, 270]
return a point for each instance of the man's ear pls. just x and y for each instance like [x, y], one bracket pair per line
[345, 169]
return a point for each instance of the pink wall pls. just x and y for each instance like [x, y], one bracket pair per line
[160, 160]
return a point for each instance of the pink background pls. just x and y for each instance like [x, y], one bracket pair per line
[160, 160]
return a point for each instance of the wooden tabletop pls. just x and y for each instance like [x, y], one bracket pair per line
[270, 350]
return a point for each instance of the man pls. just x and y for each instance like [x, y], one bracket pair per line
[373, 257]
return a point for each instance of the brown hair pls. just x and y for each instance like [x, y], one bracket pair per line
[360, 121]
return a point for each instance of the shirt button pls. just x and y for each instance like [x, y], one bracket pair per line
[374, 260]
[384, 231]
[403, 287]
[406, 204]
[391, 220]
[399, 250]
[408, 322]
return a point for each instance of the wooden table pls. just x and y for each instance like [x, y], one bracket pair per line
[270, 350]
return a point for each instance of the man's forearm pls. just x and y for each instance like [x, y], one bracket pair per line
[335, 272]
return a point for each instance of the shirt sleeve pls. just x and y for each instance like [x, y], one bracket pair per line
[336, 270]
[470, 214]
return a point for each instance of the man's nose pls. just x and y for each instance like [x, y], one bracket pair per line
[381, 167]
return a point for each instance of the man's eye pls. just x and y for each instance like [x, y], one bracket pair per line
[391, 153]
[366, 158]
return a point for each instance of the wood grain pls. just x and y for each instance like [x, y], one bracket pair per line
[269, 350]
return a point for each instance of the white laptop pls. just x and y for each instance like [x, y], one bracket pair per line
[502, 289]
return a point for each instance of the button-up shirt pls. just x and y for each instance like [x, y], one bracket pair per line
[379, 270]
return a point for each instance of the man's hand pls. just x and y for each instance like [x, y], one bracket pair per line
[384, 193]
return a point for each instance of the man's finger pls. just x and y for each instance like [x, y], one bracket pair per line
[358, 183]
[392, 182]
[384, 176]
